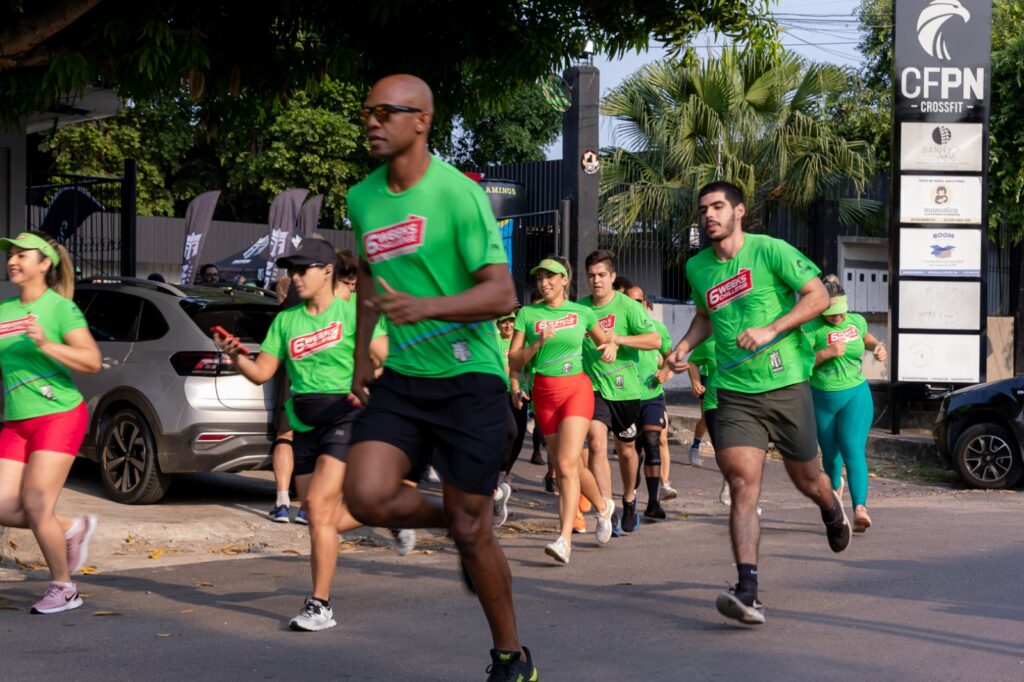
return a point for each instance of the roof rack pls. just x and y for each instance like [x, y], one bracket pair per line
[134, 282]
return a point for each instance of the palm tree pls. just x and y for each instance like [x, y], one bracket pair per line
[748, 117]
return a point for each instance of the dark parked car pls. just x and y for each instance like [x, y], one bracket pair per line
[980, 429]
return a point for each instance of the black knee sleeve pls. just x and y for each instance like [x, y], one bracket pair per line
[652, 445]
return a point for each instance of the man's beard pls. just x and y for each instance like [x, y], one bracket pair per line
[727, 230]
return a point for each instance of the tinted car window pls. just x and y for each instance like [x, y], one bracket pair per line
[112, 316]
[83, 299]
[247, 321]
[152, 324]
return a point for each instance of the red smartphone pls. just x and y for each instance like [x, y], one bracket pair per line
[217, 329]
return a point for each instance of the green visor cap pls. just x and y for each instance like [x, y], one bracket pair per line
[29, 241]
[837, 306]
[551, 265]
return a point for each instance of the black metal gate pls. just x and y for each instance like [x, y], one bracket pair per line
[93, 217]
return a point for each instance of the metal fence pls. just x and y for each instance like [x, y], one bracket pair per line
[93, 217]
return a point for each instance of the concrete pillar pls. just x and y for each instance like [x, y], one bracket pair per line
[580, 180]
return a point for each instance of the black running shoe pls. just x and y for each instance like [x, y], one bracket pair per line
[838, 532]
[616, 525]
[507, 666]
[630, 517]
[655, 511]
[549, 485]
[741, 606]
[537, 458]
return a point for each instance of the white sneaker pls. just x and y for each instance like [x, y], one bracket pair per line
[694, 456]
[432, 476]
[559, 550]
[667, 492]
[315, 616]
[724, 496]
[604, 521]
[501, 497]
[405, 540]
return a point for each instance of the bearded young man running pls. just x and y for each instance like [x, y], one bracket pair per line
[617, 384]
[424, 227]
[745, 288]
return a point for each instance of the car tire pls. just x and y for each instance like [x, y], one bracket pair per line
[988, 456]
[128, 462]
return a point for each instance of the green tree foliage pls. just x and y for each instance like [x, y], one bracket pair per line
[469, 52]
[514, 131]
[183, 148]
[744, 117]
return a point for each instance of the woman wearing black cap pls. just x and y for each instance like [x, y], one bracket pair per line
[316, 341]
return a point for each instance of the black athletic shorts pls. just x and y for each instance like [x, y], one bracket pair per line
[620, 416]
[784, 416]
[331, 417]
[282, 391]
[462, 420]
[652, 412]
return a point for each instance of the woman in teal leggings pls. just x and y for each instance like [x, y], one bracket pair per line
[842, 400]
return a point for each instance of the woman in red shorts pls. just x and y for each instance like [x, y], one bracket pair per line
[549, 335]
[43, 336]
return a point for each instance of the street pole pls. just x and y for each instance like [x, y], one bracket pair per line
[581, 163]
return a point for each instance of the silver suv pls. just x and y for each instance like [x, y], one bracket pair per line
[167, 401]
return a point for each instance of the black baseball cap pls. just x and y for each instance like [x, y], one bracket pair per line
[312, 252]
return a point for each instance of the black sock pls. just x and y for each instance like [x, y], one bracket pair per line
[748, 579]
[833, 515]
[653, 483]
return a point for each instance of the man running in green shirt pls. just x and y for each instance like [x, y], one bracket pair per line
[423, 227]
[745, 288]
[616, 385]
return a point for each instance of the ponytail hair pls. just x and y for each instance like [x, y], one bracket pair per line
[61, 276]
[832, 286]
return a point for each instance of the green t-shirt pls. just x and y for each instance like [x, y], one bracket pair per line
[562, 355]
[318, 350]
[711, 393]
[380, 329]
[619, 380]
[650, 387]
[35, 385]
[428, 241]
[753, 289]
[704, 357]
[838, 374]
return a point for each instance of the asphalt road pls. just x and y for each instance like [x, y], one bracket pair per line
[931, 592]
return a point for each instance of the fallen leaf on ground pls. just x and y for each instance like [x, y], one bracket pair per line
[107, 613]
[156, 554]
[186, 611]
[164, 634]
[88, 570]
[205, 584]
[14, 545]
[7, 607]
[30, 565]
[291, 551]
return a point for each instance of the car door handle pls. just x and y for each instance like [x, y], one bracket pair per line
[109, 362]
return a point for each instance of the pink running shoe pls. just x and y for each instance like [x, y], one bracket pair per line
[59, 597]
[82, 528]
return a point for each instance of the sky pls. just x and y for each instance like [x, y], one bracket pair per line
[818, 30]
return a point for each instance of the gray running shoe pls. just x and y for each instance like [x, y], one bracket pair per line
[838, 532]
[559, 550]
[604, 521]
[315, 616]
[501, 497]
[667, 492]
[732, 604]
[405, 540]
[724, 496]
[694, 456]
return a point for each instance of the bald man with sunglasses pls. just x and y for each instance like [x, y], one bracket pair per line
[433, 263]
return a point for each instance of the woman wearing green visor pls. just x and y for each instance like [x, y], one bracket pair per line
[842, 400]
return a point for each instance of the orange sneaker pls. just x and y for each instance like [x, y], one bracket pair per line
[585, 505]
[580, 524]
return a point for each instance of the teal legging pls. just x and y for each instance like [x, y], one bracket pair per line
[844, 419]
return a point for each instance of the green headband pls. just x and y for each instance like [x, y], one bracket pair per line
[837, 306]
[551, 265]
[29, 241]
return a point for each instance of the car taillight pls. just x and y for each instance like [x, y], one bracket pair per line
[203, 364]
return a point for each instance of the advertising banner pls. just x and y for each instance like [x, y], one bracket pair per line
[940, 199]
[197, 224]
[940, 252]
[947, 358]
[941, 146]
[284, 218]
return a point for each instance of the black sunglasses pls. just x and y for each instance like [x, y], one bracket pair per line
[300, 270]
[382, 112]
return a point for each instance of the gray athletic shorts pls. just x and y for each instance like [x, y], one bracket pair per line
[784, 416]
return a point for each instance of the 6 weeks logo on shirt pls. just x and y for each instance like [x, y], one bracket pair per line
[395, 240]
[310, 344]
[726, 292]
[848, 334]
[607, 322]
[569, 320]
[15, 327]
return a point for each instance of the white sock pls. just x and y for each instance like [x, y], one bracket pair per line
[73, 528]
[282, 499]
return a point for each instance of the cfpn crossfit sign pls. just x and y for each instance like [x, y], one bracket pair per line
[942, 86]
